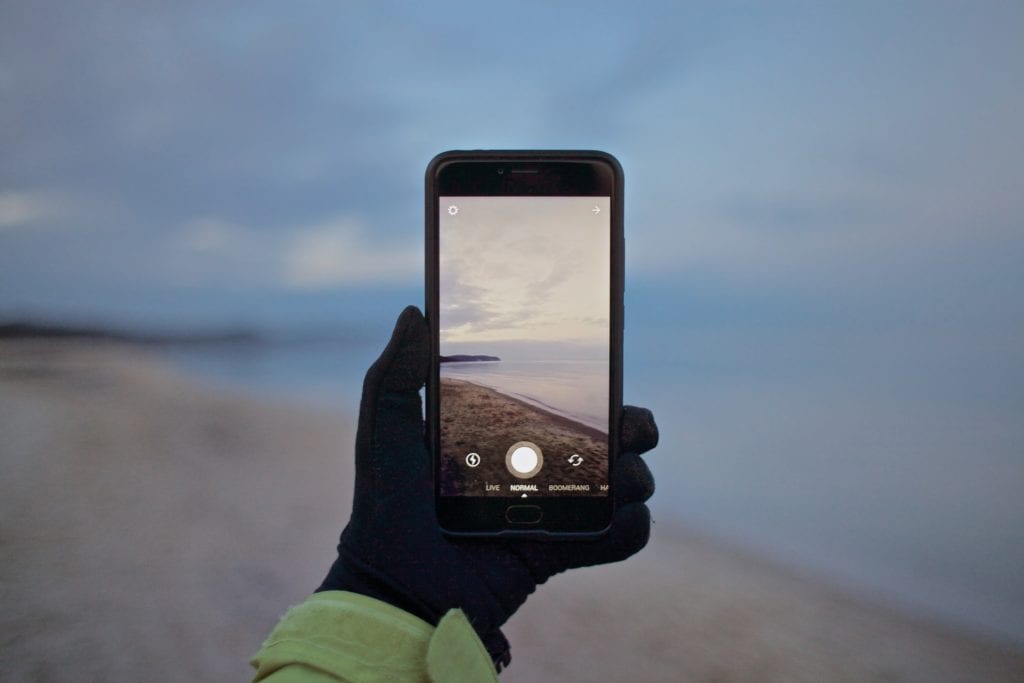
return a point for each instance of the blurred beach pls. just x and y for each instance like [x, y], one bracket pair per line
[156, 524]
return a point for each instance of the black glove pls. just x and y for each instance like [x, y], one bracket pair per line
[393, 549]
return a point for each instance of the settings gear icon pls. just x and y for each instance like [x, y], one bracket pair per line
[452, 210]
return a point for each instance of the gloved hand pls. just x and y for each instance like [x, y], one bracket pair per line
[393, 549]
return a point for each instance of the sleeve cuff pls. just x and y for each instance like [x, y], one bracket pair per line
[352, 637]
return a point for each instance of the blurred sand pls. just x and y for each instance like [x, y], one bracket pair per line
[155, 528]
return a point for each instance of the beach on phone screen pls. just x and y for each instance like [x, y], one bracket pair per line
[524, 333]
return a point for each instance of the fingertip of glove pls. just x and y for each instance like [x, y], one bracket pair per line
[411, 327]
[632, 480]
[630, 531]
[409, 314]
[638, 431]
[402, 366]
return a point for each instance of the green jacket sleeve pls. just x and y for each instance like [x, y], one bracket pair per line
[342, 636]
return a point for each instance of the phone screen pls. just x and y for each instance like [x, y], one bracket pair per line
[524, 338]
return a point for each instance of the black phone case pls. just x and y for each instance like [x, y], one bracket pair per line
[570, 511]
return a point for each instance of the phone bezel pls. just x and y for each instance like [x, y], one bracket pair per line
[525, 173]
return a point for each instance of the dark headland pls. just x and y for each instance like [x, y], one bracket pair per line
[24, 329]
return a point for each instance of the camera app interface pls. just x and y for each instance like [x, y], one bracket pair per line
[524, 342]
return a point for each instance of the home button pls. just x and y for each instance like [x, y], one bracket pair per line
[524, 514]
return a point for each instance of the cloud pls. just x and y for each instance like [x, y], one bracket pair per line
[336, 252]
[20, 209]
[339, 252]
[526, 270]
[211, 234]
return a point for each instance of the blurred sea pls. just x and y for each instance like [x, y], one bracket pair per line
[888, 486]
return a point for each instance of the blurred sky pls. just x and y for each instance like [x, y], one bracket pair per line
[824, 219]
[189, 161]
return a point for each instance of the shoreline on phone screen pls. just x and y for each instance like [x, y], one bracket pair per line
[487, 418]
[574, 389]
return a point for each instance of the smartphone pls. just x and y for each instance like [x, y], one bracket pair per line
[524, 267]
